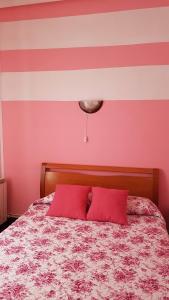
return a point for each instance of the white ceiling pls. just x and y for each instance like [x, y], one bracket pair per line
[8, 3]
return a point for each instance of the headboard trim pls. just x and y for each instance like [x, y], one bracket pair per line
[139, 181]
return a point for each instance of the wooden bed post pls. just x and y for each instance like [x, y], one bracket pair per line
[42, 180]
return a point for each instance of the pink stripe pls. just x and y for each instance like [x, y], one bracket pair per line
[73, 8]
[85, 58]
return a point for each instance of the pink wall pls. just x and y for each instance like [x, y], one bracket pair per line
[122, 133]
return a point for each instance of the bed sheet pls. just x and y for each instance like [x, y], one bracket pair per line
[57, 258]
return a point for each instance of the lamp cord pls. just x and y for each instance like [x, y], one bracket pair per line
[86, 139]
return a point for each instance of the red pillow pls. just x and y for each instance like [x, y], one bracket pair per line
[70, 201]
[108, 205]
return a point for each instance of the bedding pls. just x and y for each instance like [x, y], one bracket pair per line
[135, 205]
[44, 257]
[141, 206]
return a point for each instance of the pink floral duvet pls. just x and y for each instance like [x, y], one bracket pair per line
[56, 258]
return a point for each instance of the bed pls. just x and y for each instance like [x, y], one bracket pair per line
[43, 257]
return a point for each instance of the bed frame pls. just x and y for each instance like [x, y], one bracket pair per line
[139, 181]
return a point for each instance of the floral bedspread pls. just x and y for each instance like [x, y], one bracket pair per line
[57, 258]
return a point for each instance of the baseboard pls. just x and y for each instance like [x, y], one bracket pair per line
[14, 216]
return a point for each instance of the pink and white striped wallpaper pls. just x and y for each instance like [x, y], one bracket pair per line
[82, 49]
[96, 49]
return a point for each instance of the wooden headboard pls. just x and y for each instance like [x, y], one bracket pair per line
[139, 181]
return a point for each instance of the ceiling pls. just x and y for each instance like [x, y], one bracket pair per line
[9, 3]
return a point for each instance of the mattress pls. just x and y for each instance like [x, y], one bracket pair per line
[45, 257]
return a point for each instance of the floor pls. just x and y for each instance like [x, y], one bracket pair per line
[7, 223]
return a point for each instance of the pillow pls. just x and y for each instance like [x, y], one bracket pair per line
[108, 205]
[45, 200]
[141, 206]
[70, 201]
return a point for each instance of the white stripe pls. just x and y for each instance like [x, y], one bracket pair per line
[8, 3]
[115, 28]
[130, 83]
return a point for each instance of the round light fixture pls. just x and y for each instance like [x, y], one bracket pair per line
[90, 106]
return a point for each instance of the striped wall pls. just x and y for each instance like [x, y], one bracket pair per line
[71, 50]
